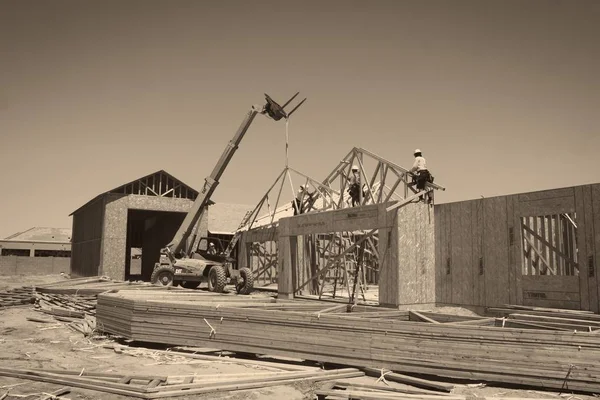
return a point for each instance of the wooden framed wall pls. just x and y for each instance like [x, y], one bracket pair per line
[539, 249]
[405, 248]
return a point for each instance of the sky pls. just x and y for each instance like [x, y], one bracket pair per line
[501, 96]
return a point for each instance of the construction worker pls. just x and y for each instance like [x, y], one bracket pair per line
[212, 250]
[302, 200]
[354, 186]
[420, 172]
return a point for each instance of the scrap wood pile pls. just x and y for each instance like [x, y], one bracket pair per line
[17, 297]
[158, 387]
[311, 331]
[73, 301]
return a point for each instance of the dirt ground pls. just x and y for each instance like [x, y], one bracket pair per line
[27, 344]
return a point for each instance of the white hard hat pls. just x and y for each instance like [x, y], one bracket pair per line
[354, 167]
[417, 151]
[211, 244]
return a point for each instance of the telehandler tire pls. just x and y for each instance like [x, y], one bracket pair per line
[163, 275]
[246, 283]
[216, 279]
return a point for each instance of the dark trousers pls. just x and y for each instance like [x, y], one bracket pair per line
[422, 179]
[354, 192]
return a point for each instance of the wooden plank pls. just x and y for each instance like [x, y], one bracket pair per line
[417, 382]
[477, 259]
[447, 260]
[590, 265]
[496, 251]
[439, 253]
[417, 316]
[514, 255]
[543, 195]
[516, 249]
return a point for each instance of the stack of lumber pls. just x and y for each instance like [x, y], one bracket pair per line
[92, 286]
[17, 297]
[352, 390]
[547, 318]
[357, 391]
[159, 387]
[538, 358]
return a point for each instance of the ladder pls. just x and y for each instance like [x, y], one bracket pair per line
[238, 233]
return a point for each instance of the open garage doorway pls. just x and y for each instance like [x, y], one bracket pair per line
[147, 233]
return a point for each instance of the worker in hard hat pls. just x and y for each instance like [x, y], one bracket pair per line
[212, 250]
[302, 201]
[420, 172]
[354, 186]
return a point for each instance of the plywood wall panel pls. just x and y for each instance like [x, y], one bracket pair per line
[477, 259]
[496, 252]
[447, 255]
[590, 267]
[439, 253]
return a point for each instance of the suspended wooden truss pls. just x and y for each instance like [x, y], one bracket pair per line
[335, 263]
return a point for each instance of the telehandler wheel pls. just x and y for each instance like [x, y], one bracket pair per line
[190, 285]
[216, 279]
[246, 282]
[163, 275]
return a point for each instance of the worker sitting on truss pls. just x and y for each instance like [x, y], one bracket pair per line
[421, 174]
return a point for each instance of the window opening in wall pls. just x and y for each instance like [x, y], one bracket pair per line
[52, 253]
[550, 245]
[15, 252]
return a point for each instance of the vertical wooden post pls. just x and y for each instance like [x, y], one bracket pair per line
[287, 261]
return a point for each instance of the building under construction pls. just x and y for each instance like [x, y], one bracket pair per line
[532, 249]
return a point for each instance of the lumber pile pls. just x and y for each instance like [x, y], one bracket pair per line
[538, 358]
[160, 387]
[17, 297]
[92, 286]
[547, 318]
[356, 391]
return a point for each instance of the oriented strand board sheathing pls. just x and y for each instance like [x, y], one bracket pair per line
[496, 235]
[88, 223]
[496, 251]
[477, 259]
[461, 255]
[514, 252]
[416, 254]
[115, 226]
[592, 209]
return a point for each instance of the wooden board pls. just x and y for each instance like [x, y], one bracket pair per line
[477, 258]
[496, 252]
[591, 266]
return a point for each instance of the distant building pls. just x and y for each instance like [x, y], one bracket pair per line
[38, 242]
[36, 251]
[120, 233]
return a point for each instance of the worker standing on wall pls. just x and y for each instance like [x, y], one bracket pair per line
[420, 173]
[354, 186]
[302, 201]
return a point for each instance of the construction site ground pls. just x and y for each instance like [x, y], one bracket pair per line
[26, 344]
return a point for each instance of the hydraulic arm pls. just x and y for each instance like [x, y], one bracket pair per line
[178, 247]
